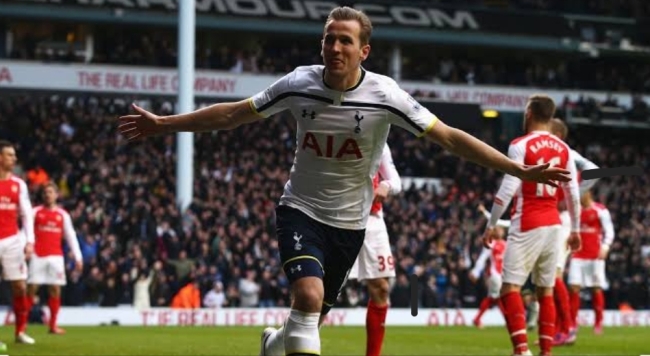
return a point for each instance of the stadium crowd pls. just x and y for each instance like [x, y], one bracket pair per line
[139, 250]
[438, 65]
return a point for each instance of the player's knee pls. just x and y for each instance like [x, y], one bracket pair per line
[509, 288]
[308, 294]
[543, 292]
[574, 288]
[54, 291]
[378, 290]
[19, 288]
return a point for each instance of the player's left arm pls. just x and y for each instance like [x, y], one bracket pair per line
[608, 232]
[71, 238]
[412, 116]
[26, 213]
[390, 178]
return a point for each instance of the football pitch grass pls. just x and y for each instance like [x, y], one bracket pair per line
[116, 340]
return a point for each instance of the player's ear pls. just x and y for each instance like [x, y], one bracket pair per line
[365, 52]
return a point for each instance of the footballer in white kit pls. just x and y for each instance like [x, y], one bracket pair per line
[324, 211]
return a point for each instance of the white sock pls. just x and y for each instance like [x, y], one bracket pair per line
[301, 334]
[275, 343]
[534, 313]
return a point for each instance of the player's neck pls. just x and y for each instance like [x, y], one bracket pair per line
[538, 126]
[4, 175]
[342, 83]
[51, 206]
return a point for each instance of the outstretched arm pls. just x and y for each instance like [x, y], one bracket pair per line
[222, 116]
[472, 149]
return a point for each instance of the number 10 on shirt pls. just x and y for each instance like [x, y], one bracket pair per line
[541, 187]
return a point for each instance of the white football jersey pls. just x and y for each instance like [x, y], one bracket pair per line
[340, 139]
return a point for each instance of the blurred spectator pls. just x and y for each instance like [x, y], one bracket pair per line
[215, 297]
[188, 297]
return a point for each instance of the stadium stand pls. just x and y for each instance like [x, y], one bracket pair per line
[121, 201]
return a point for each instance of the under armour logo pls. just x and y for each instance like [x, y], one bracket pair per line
[297, 246]
[358, 118]
[312, 114]
[297, 268]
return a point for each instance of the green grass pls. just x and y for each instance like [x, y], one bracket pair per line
[115, 340]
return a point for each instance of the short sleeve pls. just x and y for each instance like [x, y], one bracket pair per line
[408, 113]
[274, 99]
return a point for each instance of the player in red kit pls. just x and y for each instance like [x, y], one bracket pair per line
[494, 274]
[566, 330]
[15, 203]
[375, 263]
[587, 268]
[535, 224]
[47, 266]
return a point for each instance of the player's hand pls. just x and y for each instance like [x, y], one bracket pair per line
[139, 126]
[481, 208]
[574, 242]
[602, 254]
[29, 250]
[381, 192]
[79, 265]
[545, 174]
[472, 278]
[489, 236]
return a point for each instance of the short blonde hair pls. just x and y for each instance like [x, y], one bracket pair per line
[345, 13]
[559, 128]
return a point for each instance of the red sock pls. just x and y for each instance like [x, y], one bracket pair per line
[501, 307]
[375, 330]
[546, 323]
[575, 306]
[599, 305]
[515, 316]
[486, 303]
[54, 304]
[561, 294]
[20, 309]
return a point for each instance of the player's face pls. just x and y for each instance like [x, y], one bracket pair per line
[50, 195]
[342, 50]
[8, 158]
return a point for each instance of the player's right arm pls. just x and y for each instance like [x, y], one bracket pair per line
[221, 116]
